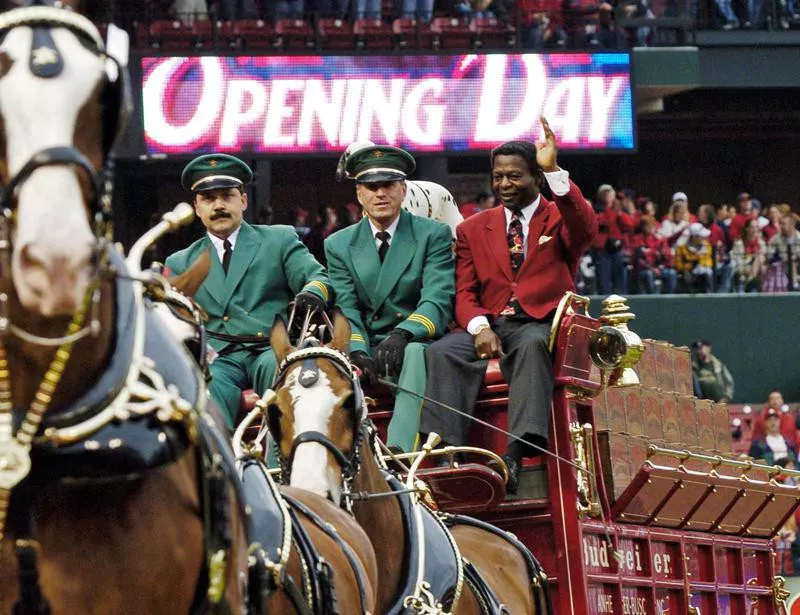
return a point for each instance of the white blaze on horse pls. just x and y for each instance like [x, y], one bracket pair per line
[54, 242]
[423, 198]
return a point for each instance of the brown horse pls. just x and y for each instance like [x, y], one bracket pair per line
[113, 495]
[317, 417]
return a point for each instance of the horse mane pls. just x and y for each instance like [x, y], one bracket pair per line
[189, 281]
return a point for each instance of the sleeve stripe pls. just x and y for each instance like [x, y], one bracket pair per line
[425, 322]
[319, 286]
[355, 337]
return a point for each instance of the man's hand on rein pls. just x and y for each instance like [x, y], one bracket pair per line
[306, 302]
[366, 365]
[390, 352]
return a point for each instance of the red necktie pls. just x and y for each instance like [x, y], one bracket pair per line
[516, 241]
[516, 251]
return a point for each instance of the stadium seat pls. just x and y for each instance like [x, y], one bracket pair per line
[252, 34]
[413, 34]
[454, 33]
[336, 34]
[294, 34]
[372, 34]
[170, 34]
[494, 34]
[202, 33]
[226, 36]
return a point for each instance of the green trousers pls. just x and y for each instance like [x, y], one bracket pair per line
[404, 425]
[233, 372]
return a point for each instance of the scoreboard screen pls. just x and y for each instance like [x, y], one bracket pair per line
[423, 103]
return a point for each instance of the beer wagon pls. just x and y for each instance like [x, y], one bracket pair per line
[653, 515]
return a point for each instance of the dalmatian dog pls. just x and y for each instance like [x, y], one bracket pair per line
[426, 199]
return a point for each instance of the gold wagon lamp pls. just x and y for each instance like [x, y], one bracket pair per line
[614, 347]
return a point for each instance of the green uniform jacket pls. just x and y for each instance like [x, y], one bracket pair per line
[269, 266]
[413, 290]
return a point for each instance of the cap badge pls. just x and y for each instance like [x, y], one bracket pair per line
[213, 163]
[378, 154]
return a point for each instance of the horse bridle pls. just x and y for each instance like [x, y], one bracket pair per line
[117, 93]
[309, 374]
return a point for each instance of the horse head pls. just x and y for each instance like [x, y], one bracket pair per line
[63, 102]
[316, 412]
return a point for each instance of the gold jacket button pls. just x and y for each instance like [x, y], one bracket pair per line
[225, 318]
[399, 314]
[259, 334]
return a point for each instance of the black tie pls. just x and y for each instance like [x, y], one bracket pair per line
[226, 258]
[384, 237]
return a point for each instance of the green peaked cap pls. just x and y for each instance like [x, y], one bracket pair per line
[380, 163]
[212, 171]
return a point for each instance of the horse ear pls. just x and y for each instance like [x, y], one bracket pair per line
[189, 281]
[279, 339]
[341, 332]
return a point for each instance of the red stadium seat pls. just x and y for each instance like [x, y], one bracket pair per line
[454, 33]
[141, 39]
[252, 34]
[226, 35]
[413, 34]
[202, 33]
[170, 34]
[372, 34]
[493, 34]
[294, 34]
[336, 34]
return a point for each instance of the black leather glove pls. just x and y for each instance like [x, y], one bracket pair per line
[366, 366]
[389, 353]
[306, 302]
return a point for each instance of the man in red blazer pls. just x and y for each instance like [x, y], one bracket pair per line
[513, 265]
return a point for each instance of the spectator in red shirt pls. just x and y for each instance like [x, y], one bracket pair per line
[484, 200]
[609, 246]
[653, 258]
[790, 421]
[582, 21]
[773, 222]
[744, 205]
[541, 24]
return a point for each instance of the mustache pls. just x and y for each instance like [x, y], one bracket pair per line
[220, 214]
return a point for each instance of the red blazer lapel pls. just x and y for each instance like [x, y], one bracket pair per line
[536, 228]
[496, 238]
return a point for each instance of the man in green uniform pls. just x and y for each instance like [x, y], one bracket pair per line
[394, 280]
[256, 270]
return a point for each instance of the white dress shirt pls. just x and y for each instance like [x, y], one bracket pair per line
[559, 185]
[391, 230]
[219, 244]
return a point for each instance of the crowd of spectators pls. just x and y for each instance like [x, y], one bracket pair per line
[739, 248]
[541, 24]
